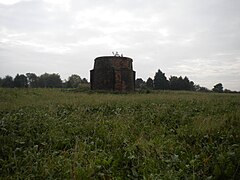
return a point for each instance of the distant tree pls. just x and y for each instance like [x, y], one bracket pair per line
[173, 81]
[64, 83]
[1, 82]
[84, 81]
[192, 86]
[20, 81]
[218, 88]
[54, 81]
[186, 84]
[32, 80]
[16, 81]
[42, 80]
[160, 81]
[227, 91]
[139, 83]
[204, 89]
[179, 83]
[149, 83]
[198, 88]
[74, 81]
[50, 81]
[7, 82]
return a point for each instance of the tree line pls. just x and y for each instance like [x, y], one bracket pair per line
[160, 82]
[46, 80]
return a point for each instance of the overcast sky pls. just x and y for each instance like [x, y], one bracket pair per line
[199, 39]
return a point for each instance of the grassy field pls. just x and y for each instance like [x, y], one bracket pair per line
[55, 134]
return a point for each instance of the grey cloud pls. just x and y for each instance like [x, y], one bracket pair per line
[199, 39]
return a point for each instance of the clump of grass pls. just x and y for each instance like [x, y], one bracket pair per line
[49, 133]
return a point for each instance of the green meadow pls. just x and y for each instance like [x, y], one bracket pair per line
[60, 134]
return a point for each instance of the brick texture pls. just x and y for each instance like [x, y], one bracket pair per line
[113, 73]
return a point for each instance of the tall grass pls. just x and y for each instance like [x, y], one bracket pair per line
[53, 134]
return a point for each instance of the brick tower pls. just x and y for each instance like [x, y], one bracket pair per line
[113, 73]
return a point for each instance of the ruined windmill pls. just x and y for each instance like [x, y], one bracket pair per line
[113, 73]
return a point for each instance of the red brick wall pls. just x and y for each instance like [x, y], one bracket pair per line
[112, 73]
